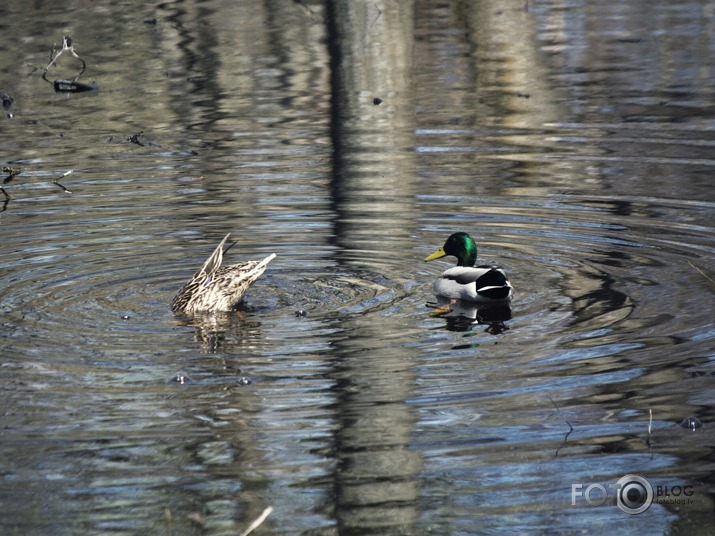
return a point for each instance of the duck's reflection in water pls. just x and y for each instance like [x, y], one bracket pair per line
[224, 332]
[464, 316]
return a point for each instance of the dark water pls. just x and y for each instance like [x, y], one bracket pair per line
[573, 139]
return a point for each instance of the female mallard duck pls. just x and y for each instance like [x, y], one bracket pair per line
[481, 284]
[218, 288]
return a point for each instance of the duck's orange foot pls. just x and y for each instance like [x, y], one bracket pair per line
[443, 309]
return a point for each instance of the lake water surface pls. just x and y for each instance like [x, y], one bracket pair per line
[575, 140]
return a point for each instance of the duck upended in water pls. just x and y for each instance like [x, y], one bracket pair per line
[218, 288]
[479, 284]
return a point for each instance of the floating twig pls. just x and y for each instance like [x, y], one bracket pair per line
[556, 454]
[67, 86]
[706, 276]
[650, 428]
[11, 174]
[650, 422]
[66, 46]
[561, 414]
[138, 139]
[57, 181]
[258, 521]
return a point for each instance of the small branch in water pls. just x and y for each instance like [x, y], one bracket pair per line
[556, 455]
[138, 139]
[258, 521]
[66, 45]
[706, 276]
[56, 181]
[561, 414]
[650, 429]
[650, 422]
[11, 174]
[67, 86]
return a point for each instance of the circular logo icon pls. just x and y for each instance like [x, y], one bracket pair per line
[634, 494]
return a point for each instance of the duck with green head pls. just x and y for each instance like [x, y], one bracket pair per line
[480, 284]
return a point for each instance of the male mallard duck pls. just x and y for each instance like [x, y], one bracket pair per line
[481, 284]
[218, 288]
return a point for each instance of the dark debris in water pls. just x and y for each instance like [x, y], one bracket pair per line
[7, 101]
[71, 86]
[134, 138]
[11, 174]
[691, 423]
[137, 139]
[181, 378]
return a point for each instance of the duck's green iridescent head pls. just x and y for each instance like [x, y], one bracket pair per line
[459, 245]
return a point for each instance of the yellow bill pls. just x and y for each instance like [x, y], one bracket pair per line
[436, 255]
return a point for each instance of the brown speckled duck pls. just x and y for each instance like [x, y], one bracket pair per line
[218, 288]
